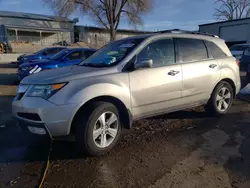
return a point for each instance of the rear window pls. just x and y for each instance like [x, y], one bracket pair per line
[191, 49]
[53, 50]
[215, 50]
[238, 48]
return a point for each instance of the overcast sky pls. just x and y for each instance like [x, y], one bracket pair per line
[166, 14]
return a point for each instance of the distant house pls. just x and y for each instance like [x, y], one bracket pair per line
[46, 30]
[36, 28]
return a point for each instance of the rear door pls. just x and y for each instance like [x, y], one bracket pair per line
[200, 71]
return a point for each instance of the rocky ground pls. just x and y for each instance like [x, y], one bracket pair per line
[186, 149]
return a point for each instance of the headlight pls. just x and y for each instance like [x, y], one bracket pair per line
[44, 91]
[26, 68]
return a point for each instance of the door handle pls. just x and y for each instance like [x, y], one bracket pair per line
[212, 66]
[173, 72]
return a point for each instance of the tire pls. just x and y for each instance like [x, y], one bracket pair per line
[215, 102]
[87, 122]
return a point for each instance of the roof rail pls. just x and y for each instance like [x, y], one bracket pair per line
[187, 32]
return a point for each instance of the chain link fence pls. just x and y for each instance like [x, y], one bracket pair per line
[31, 44]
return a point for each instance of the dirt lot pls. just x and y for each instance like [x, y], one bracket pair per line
[186, 149]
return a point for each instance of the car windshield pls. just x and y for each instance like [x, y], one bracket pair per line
[112, 53]
[238, 48]
[59, 55]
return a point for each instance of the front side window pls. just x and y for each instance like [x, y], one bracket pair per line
[191, 49]
[161, 52]
[112, 53]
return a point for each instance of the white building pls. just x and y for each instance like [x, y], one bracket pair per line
[232, 31]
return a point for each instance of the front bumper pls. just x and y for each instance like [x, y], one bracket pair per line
[55, 120]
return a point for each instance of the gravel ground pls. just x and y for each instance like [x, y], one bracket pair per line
[183, 149]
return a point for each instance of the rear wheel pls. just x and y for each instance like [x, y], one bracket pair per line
[221, 99]
[98, 131]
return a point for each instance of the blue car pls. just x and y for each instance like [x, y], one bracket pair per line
[67, 57]
[42, 54]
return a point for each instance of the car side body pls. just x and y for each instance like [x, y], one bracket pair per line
[64, 58]
[178, 82]
[42, 54]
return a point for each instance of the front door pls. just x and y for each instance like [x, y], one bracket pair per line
[156, 89]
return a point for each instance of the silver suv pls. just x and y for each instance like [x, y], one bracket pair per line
[127, 80]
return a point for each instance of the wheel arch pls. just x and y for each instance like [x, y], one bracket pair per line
[124, 112]
[231, 82]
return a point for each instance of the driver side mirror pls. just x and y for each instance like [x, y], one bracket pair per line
[144, 63]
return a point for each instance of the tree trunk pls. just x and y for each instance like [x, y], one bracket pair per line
[112, 33]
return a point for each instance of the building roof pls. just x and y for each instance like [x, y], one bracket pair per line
[235, 20]
[33, 16]
[92, 28]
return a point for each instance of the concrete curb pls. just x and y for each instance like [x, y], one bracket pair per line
[8, 57]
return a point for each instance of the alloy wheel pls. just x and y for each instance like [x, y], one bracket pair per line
[223, 99]
[105, 129]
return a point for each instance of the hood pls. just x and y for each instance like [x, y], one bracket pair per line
[66, 74]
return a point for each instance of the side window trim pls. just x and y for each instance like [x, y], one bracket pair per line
[209, 53]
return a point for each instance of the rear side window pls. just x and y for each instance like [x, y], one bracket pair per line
[191, 49]
[215, 50]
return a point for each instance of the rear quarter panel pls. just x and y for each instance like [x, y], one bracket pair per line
[230, 70]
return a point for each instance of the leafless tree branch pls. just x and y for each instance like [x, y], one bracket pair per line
[232, 9]
[107, 13]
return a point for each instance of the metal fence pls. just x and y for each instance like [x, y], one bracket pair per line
[30, 44]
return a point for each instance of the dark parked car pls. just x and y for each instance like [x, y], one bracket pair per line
[42, 54]
[67, 57]
[245, 60]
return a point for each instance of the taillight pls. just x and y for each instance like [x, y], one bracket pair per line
[237, 62]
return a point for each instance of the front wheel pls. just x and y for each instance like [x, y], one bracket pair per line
[98, 131]
[221, 99]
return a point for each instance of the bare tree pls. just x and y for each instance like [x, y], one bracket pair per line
[232, 9]
[107, 13]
